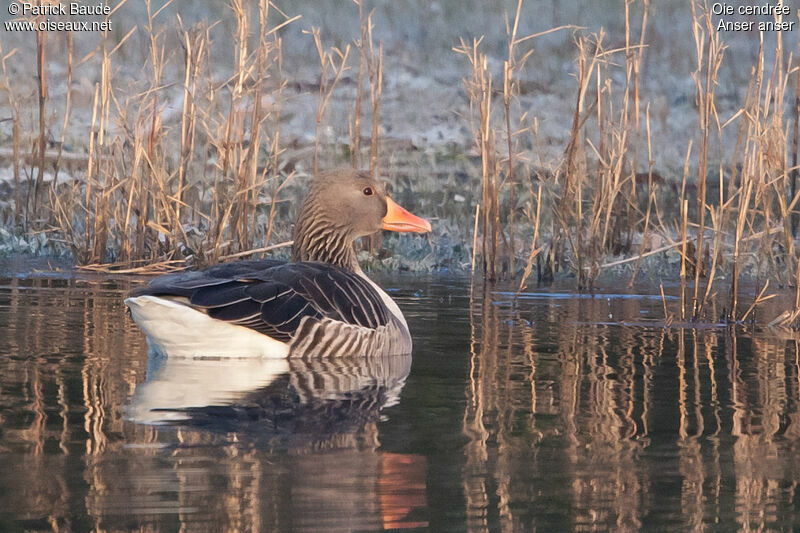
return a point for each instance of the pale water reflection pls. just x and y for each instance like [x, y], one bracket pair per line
[546, 412]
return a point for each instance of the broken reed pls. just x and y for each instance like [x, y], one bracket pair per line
[604, 194]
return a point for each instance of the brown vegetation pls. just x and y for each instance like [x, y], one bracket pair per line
[605, 195]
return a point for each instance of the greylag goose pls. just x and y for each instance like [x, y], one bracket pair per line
[319, 303]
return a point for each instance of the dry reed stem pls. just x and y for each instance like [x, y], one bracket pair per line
[19, 211]
[510, 89]
[668, 317]
[487, 129]
[355, 137]
[758, 300]
[263, 249]
[41, 61]
[475, 237]
[709, 51]
[375, 65]
[795, 145]
[67, 110]
[651, 196]
[161, 267]
[479, 89]
[534, 250]
[335, 60]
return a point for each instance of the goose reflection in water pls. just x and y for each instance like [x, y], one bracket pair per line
[309, 424]
[261, 390]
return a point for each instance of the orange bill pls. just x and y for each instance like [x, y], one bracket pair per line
[399, 219]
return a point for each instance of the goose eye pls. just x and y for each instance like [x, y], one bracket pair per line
[367, 191]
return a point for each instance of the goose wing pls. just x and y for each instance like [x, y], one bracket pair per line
[273, 297]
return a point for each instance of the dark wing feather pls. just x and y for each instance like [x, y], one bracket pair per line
[241, 269]
[185, 283]
[239, 312]
[272, 297]
[227, 293]
[265, 291]
[286, 315]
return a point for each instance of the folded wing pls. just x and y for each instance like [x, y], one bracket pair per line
[273, 297]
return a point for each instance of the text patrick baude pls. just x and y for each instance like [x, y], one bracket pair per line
[73, 9]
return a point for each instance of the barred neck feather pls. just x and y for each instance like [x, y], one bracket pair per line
[318, 239]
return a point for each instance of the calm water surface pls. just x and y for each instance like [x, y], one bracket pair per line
[550, 412]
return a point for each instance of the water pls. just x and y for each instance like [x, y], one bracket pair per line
[550, 412]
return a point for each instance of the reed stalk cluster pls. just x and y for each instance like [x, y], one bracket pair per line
[604, 197]
[156, 195]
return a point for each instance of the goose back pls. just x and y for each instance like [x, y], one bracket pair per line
[315, 308]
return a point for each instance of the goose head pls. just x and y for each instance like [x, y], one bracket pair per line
[342, 206]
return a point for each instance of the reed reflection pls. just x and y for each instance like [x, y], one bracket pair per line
[627, 427]
[62, 387]
[581, 413]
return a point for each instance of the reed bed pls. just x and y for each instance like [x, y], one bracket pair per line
[605, 197]
[158, 192]
[219, 181]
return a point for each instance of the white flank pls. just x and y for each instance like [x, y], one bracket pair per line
[177, 330]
